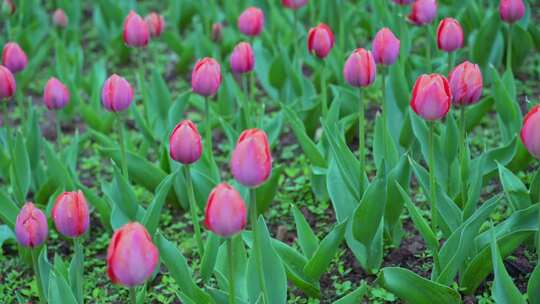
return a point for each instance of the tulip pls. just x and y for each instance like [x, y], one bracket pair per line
[225, 212]
[116, 94]
[423, 12]
[530, 132]
[431, 97]
[31, 226]
[251, 21]
[320, 40]
[8, 85]
[360, 68]
[55, 94]
[449, 35]
[135, 31]
[155, 23]
[206, 77]
[14, 58]
[385, 47]
[251, 161]
[185, 143]
[131, 257]
[294, 4]
[217, 28]
[70, 214]
[242, 60]
[59, 18]
[466, 83]
[8, 7]
[511, 10]
[403, 2]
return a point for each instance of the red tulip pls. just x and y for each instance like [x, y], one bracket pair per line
[135, 31]
[242, 60]
[59, 18]
[225, 213]
[251, 21]
[360, 69]
[423, 12]
[251, 161]
[294, 4]
[14, 58]
[70, 214]
[217, 28]
[155, 23]
[116, 94]
[206, 77]
[530, 132]
[185, 143]
[431, 97]
[55, 94]
[403, 2]
[511, 10]
[449, 35]
[385, 47]
[131, 257]
[466, 83]
[320, 40]
[9, 7]
[8, 84]
[31, 226]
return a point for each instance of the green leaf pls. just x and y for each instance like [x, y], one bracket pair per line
[21, 168]
[121, 194]
[267, 191]
[534, 285]
[355, 296]
[210, 254]
[507, 108]
[307, 239]
[368, 215]
[483, 45]
[6, 234]
[514, 189]
[152, 216]
[325, 253]
[8, 210]
[502, 155]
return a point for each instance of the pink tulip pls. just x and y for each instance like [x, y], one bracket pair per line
[449, 35]
[59, 18]
[466, 83]
[385, 47]
[8, 84]
[511, 10]
[70, 214]
[403, 2]
[206, 77]
[14, 58]
[320, 40]
[251, 21]
[251, 161]
[360, 69]
[294, 4]
[225, 213]
[530, 132]
[185, 143]
[423, 12]
[31, 226]
[217, 29]
[116, 94]
[242, 60]
[55, 94]
[155, 23]
[131, 257]
[431, 97]
[135, 31]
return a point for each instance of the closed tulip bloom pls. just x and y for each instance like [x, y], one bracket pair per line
[385, 47]
[251, 21]
[135, 31]
[155, 23]
[185, 143]
[466, 83]
[59, 18]
[8, 7]
[294, 4]
[403, 2]
[55, 94]
[320, 40]
[530, 132]
[449, 35]
[511, 10]
[131, 257]
[217, 28]
[14, 58]
[206, 77]
[251, 161]
[31, 226]
[360, 69]
[7, 83]
[423, 12]
[242, 60]
[225, 212]
[116, 94]
[70, 214]
[431, 97]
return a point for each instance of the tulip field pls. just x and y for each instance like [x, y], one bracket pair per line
[268, 152]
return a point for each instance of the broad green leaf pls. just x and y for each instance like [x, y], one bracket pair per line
[21, 168]
[368, 215]
[355, 296]
[325, 253]
[208, 261]
[8, 210]
[152, 216]
[533, 286]
[514, 189]
[307, 239]
[267, 191]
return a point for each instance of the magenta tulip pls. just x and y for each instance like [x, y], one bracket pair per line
[55, 94]
[423, 12]
[116, 94]
[14, 58]
[217, 29]
[251, 161]
[360, 69]
[431, 97]
[511, 10]
[530, 132]
[385, 47]
[242, 60]
[155, 23]
[449, 35]
[294, 4]
[320, 40]
[206, 77]
[135, 31]
[31, 227]
[225, 213]
[70, 214]
[251, 21]
[466, 83]
[59, 18]
[8, 84]
[185, 143]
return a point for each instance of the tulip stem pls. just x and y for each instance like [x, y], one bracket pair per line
[193, 210]
[428, 47]
[79, 288]
[462, 151]
[58, 130]
[509, 48]
[123, 147]
[450, 63]
[6, 125]
[255, 248]
[432, 177]
[208, 125]
[38, 276]
[324, 102]
[361, 132]
[132, 295]
[232, 297]
[384, 112]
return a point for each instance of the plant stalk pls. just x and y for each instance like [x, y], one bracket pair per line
[58, 130]
[78, 284]
[255, 248]
[123, 147]
[232, 291]
[361, 133]
[132, 295]
[509, 49]
[384, 111]
[462, 150]
[450, 63]
[193, 210]
[324, 102]
[433, 195]
[428, 48]
[208, 125]
[38, 276]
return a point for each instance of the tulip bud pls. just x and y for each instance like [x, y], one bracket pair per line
[294, 4]
[8, 7]
[55, 94]
[217, 28]
[242, 60]
[116, 94]
[31, 226]
[360, 69]
[135, 31]
[449, 35]
[155, 23]
[530, 132]
[431, 96]
[225, 212]
[251, 161]
[423, 12]
[511, 10]
[14, 58]
[8, 85]
[59, 18]
[185, 143]
[320, 40]
[403, 2]
[466, 83]
[385, 47]
[206, 77]
[251, 21]
[131, 257]
[70, 214]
